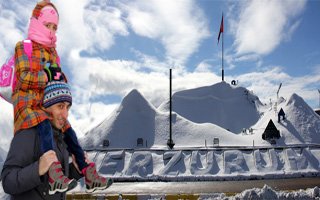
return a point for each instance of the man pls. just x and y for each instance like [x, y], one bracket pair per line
[25, 172]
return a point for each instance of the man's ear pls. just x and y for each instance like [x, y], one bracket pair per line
[50, 116]
[49, 113]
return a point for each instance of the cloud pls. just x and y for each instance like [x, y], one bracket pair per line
[179, 25]
[6, 124]
[94, 25]
[13, 26]
[260, 26]
[265, 82]
[85, 116]
[204, 66]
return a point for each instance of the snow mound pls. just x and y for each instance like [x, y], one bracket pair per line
[232, 108]
[300, 126]
[306, 121]
[200, 116]
[136, 119]
[268, 193]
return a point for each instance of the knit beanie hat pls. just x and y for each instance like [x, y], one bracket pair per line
[37, 10]
[44, 12]
[56, 92]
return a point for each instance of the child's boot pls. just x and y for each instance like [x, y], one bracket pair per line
[93, 180]
[57, 181]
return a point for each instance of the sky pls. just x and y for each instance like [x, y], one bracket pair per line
[108, 48]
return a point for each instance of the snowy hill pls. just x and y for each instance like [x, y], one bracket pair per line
[302, 124]
[134, 118]
[137, 118]
[203, 114]
[307, 122]
[232, 108]
[196, 155]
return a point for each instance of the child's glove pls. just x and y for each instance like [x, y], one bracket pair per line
[53, 72]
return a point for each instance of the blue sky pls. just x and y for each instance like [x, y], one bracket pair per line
[110, 47]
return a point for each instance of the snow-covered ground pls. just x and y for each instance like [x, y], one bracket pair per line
[217, 131]
[254, 194]
[266, 193]
[231, 114]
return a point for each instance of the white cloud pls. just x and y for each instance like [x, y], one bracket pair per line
[93, 26]
[103, 23]
[263, 25]
[13, 26]
[203, 66]
[86, 116]
[179, 25]
[265, 83]
[6, 123]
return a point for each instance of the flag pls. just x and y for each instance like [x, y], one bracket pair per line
[221, 29]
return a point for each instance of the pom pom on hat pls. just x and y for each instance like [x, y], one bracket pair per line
[56, 92]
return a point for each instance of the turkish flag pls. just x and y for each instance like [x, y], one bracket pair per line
[221, 29]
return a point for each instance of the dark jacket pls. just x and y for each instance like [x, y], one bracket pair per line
[20, 173]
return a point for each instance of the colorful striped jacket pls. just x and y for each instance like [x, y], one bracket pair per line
[31, 81]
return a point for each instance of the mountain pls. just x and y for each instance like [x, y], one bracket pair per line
[137, 118]
[232, 108]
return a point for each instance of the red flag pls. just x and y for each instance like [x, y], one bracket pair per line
[221, 29]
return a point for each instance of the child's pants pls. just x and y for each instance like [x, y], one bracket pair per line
[70, 138]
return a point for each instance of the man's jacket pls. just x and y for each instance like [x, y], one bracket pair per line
[20, 173]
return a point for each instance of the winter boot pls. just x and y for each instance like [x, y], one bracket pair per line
[93, 180]
[57, 181]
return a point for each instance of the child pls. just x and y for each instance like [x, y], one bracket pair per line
[32, 78]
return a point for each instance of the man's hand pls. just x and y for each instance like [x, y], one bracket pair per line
[46, 161]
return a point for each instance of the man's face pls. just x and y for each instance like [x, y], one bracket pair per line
[59, 113]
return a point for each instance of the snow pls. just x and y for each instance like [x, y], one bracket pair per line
[137, 118]
[266, 193]
[219, 104]
[231, 114]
